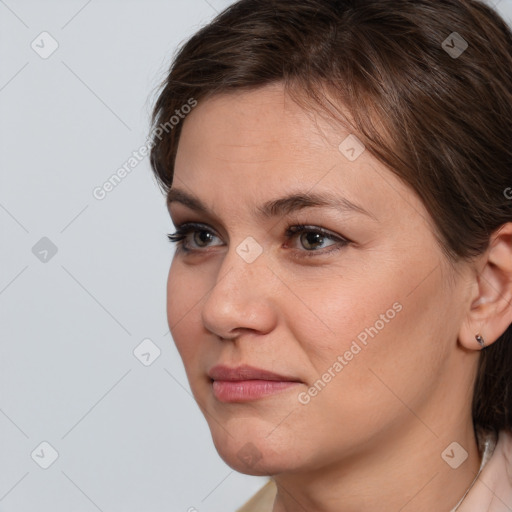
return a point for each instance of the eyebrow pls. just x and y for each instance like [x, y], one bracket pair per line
[277, 207]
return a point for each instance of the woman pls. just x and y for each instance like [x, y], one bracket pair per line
[339, 174]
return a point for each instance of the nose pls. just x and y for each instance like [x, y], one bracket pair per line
[242, 298]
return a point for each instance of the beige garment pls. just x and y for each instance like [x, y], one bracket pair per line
[263, 500]
[491, 492]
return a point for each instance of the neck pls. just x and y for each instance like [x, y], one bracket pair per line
[400, 471]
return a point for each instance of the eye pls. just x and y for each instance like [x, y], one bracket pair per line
[313, 238]
[201, 234]
[194, 237]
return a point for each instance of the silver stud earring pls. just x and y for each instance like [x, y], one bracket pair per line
[480, 340]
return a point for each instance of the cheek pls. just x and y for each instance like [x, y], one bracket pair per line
[338, 311]
[183, 306]
[390, 346]
[175, 298]
[382, 325]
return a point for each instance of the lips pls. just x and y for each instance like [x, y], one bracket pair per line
[246, 372]
[245, 383]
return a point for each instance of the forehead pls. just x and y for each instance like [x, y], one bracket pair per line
[261, 144]
[261, 133]
[266, 118]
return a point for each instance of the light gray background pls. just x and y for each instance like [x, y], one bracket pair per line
[129, 437]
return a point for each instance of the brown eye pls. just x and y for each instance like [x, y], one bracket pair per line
[312, 238]
[202, 237]
[191, 237]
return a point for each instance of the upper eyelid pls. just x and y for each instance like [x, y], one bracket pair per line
[291, 219]
[191, 225]
[295, 226]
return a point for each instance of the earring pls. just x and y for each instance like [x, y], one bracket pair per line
[480, 340]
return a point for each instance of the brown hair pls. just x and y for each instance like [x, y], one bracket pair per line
[440, 121]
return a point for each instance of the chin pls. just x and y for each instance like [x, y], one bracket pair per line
[254, 456]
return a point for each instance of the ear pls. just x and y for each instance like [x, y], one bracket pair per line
[490, 313]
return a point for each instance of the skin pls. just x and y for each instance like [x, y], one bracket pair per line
[372, 439]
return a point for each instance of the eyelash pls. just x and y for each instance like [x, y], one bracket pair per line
[183, 230]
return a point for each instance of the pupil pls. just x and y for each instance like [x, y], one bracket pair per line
[313, 238]
[203, 236]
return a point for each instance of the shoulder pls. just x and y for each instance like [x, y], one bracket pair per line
[262, 501]
[503, 461]
[492, 490]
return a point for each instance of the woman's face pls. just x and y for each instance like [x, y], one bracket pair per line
[364, 317]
